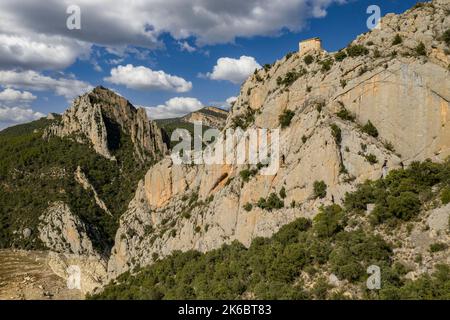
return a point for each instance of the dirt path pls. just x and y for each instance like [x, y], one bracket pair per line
[26, 275]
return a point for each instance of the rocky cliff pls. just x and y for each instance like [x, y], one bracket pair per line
[101, 117]
[345, 117]
[209, 116]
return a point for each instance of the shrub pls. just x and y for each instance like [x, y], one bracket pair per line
[304, 139]
[421, 50]
[370, 129]
[340, 56]
[243, 121]
[326, 64]
[271, 203]
[283, 193]
[290, 77]
[446, 37]
[371, 158]
[438, 246]
[376, 53]
[248, 207]
[445, 195]
[357, 50]
[344, 114]
[397, 40]
[389, 146]
[267, 67]
[336, 132]
[247, 174]
[320, 189]
[308, 59]
[285, 118]
[328, 221]
[359, 199]
[289, 55]
[405, 206]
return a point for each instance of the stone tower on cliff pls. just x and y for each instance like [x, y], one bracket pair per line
[310, 45]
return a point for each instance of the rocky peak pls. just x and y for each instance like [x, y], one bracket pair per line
[102, 118]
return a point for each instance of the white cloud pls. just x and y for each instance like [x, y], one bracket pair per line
[120, 23]
[31, 80]
[185, 46]
[11, 96]
[174, 108]
[143, 78]
[234, 70]
[230, 101]
[39, 52]
[15, 115]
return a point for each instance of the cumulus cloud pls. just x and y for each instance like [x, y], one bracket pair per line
[39, 52]
[174, 108]
[143, 78]
[10, 96]
[234, 70]
[14, 115]
[32, 80]
[141, 23]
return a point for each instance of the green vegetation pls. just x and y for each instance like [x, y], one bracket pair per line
[290, 77]
[370, 129]
[344, 114]
[421, 50]
[320, 189]
[371, 158]
[273, 202]
[35, 172]
[329, 221]
[445, 195]
[248, 207]
[437, 247]
[446, 37]
[271, 267]
[340, 56]
[326, 64]
[170, 125]
[243, 121]
[267, 67]
[397, 40]
[401, 195]
[247, 174]
[336, 132]
[289, 55]
[308, 59]
[283, 193]
[285, 118]
[357, 50]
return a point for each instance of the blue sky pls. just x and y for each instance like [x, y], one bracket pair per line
[89, 61]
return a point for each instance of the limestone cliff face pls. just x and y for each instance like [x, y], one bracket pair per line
[402, 91]
[71, 246]
[101, 117]
[63, 232]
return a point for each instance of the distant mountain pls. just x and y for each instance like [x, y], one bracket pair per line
[211, 117]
